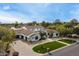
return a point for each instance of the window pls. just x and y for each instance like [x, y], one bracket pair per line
[36, 37]
[56, 34]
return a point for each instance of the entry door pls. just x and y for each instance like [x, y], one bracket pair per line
[22, 37]
[17, 36]
[50, 35]
[25, 38]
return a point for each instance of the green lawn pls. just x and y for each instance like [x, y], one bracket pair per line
[68, 41]
[43, 48]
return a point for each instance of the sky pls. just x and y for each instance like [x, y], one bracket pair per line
[28, 12]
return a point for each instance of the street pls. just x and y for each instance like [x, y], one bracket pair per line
[69, 51]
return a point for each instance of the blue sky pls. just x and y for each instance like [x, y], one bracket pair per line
[11, 12]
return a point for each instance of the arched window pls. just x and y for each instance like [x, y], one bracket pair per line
[56, 34]
[36, 37]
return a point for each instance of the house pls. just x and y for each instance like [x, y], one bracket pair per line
[52, 33]
[33, 33]
[29, 33]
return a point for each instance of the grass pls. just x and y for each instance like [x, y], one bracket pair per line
[43, 48]
[68, 41]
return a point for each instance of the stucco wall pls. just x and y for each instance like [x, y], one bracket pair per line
[54, 35]
[32, 37]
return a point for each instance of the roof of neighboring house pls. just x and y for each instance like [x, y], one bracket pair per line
[51, 30]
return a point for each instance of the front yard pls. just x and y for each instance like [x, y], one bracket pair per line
[67, 41]
[46, 47]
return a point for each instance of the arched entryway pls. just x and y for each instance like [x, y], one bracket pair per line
[25, 38]
[19, 36]
[22, 37]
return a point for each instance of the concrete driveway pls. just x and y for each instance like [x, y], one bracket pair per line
[26, 50]
[69, 51]
[23, 48]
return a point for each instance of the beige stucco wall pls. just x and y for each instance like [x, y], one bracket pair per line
[32, 38]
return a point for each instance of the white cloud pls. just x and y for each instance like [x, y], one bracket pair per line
[5, 17]
[6, 7]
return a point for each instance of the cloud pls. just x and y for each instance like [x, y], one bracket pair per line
[37, 12]
[6, 17]
[6, 7]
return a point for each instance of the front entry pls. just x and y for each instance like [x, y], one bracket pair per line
[50, 35]
[22, 37]
[25, 38]
[17, 36]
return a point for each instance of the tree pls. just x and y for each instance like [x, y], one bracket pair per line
[16, 24]
[76, 29]
[68, 25]
[32, 23]
[2, 48]
[52, 27]
[57, 21]
[61, 29]
[74, 22]
[6, 36]
[45, 24]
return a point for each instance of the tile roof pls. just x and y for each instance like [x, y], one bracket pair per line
[51, 30]
[27, 30]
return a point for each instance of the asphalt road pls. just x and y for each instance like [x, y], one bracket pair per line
[68, 51]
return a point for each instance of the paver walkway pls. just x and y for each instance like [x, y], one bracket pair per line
[42, 42]
[63, 42]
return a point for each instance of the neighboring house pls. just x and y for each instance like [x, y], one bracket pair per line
[32, 33]
[52, 33]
